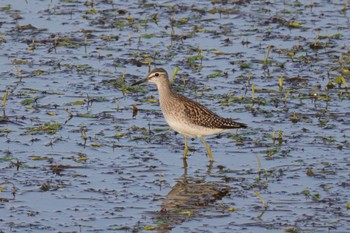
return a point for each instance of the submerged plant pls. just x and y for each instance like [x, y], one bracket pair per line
[48, 128]
[261, 199]
[280, 83]
[341, 80]
[176, 70]
[4, 102]
[193, 60]
[267, 55]
[19, 71]
[253, 93]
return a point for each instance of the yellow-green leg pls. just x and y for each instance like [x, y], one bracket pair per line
[186, 148]
[208, 149]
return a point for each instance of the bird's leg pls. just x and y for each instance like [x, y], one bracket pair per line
[208, 149]
[186, 148]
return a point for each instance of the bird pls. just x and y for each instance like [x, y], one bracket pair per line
[186, 116]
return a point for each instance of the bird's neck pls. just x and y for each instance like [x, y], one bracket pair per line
[164, 90]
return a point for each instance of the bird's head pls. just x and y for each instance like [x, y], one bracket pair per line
[156, 76]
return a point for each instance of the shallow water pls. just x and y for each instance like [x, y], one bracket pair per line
[70, 64]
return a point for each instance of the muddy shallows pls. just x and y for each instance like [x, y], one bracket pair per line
[81, 150]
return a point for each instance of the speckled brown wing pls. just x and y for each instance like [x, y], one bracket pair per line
[200, 115]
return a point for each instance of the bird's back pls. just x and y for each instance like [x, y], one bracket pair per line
[196, 114]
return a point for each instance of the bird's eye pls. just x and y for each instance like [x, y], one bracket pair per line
[156, 74]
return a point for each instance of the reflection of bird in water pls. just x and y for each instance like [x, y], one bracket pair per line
[188, 198]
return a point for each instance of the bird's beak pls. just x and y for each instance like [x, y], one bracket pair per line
[139, 82]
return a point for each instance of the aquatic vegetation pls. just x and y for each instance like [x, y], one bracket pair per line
[48, 128]
[217, 74]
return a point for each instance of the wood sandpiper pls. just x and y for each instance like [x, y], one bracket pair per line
[186, 116]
